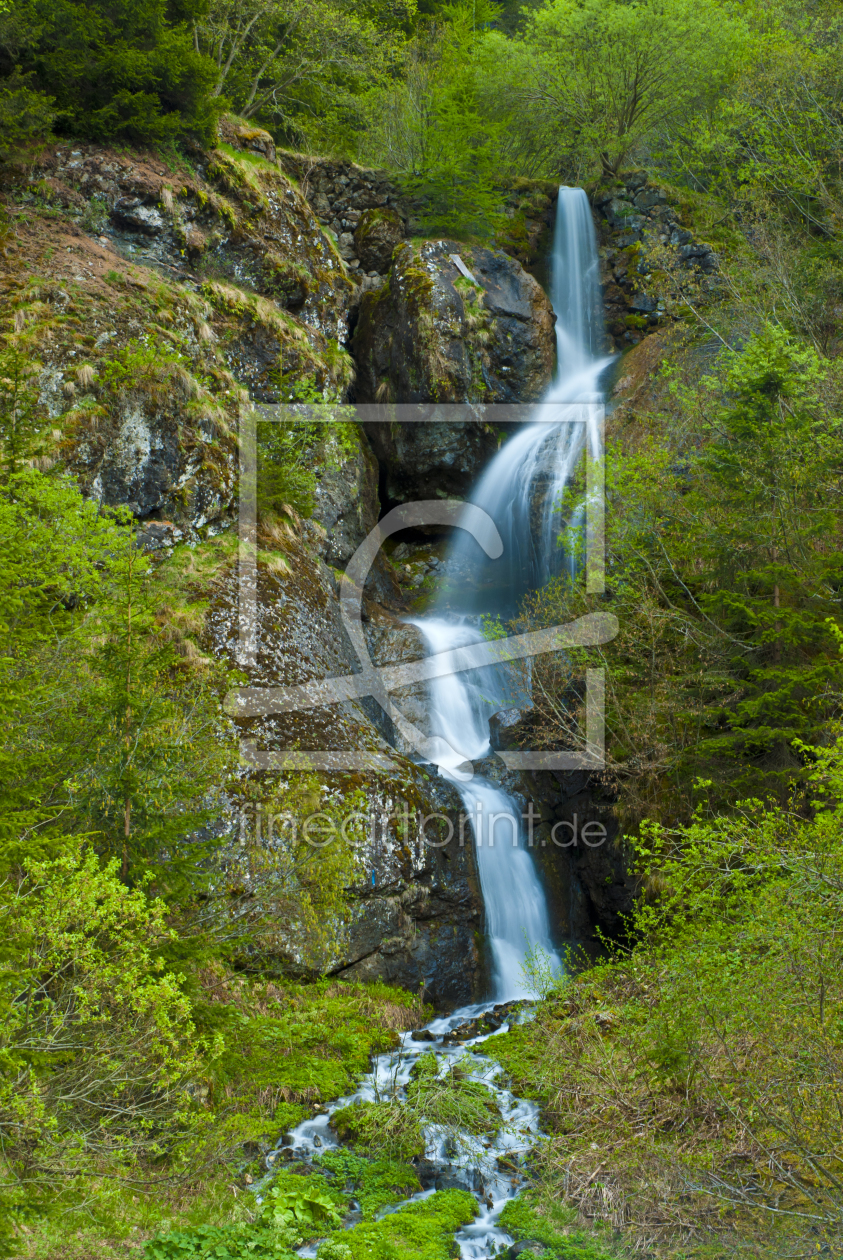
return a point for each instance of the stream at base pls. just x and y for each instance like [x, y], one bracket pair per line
[521, 491]
[490, 1168]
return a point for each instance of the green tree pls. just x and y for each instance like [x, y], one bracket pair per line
[23, 418]
[55, 545]
[149, 718]
[432, 127]
[774, 141]
[125, 69]
[97, 1042]
[724, 552]
[298, 64]
[110, 730]
[604, 76]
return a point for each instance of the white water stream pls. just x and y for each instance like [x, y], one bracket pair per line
[520, 490]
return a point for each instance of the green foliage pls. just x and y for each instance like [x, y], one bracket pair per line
[717, 1033]
[127, 70]
[545, 1220]
[97, 1042]
[240, 1241]
[374, 1183]
[23, 418]
[450, 1100]
[25, 113]
[386, 1128]
[289, 454]
[55, 544]
[286, 1049]
[292, 1210]
[432, 129]
[420, 1231]
[603, 75]
[302, 65]
[774, 141]
[117, 736]
[723, 541]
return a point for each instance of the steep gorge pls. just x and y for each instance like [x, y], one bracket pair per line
[160, 302]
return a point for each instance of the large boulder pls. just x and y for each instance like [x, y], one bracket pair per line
[429, 334]
[376, 236]
[415, 900]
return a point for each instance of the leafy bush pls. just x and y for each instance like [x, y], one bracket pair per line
[701, 1072]
[375, 1183]
[388, 1128]
[98, 1044]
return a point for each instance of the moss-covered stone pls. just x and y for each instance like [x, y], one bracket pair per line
[423, 1230]
[377, 234]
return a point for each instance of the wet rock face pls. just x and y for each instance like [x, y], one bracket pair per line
[431, 335]
[347, 504]
[581, 854]
[576, 840]
[418, 923]
[429, 461]
[647, 258]
[375, 238]
[416, 904]
[145, 468]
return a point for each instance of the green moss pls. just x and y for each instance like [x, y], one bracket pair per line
[285, 277]
[238, 176]
[375, 1184]
[293, 1046]
[522, 1058]
[422, 1230]
[417, 284]
[370, 219]
[288, 1115]
[549, 1222]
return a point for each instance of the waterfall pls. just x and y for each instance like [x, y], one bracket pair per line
[520, 490]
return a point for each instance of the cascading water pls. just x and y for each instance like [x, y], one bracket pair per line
[520, 490]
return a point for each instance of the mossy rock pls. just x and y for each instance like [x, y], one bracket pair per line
[376, 236]
[389, 1128]
[452, 1100]
[423, 1230]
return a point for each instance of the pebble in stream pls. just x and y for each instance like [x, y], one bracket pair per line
[471, 1163]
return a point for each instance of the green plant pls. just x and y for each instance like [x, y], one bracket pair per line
[107, 70]
[97, 1045]
[95, 215]
[375, 1183]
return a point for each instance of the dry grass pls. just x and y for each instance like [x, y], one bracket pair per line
[663, 1152]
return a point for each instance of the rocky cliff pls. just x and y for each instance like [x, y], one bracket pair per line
[160, 300]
